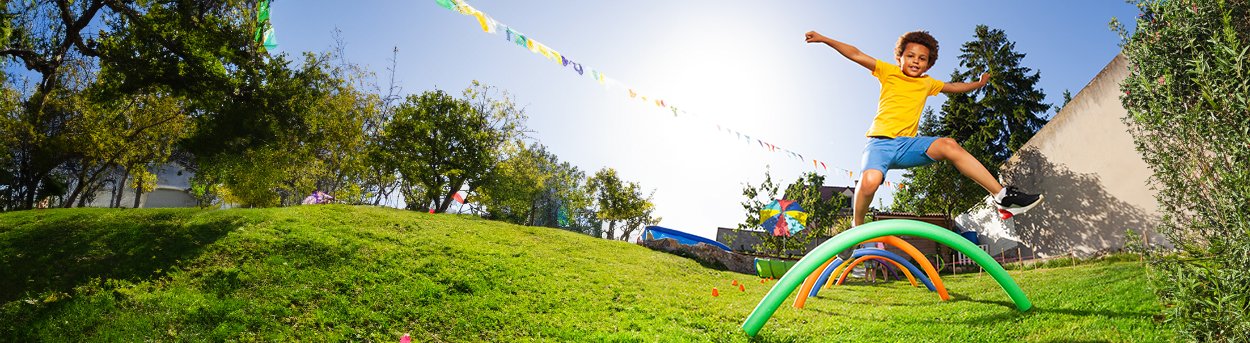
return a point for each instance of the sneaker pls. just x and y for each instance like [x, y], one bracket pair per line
[1017, 202]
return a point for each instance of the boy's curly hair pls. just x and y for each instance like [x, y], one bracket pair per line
[918, 37]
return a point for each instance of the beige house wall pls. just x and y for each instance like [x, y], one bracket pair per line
[1087, 166]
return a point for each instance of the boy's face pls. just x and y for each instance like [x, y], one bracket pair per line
[915, 60]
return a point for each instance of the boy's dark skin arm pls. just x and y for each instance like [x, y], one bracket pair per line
[850, 52]
[964, 87]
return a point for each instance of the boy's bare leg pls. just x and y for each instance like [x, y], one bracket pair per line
[947, 149]
[864, 192]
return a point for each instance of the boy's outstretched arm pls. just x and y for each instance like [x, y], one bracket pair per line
[964, 87]
[850, 52]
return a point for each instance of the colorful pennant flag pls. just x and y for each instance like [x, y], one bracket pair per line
[264, 28]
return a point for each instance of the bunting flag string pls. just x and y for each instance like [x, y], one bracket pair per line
[514, 36]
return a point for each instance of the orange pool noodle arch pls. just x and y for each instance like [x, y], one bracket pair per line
[807, 284]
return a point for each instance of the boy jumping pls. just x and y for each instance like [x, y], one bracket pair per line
[892, 140]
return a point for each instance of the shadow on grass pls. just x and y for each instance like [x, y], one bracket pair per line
[55, 253]
[1013, 313]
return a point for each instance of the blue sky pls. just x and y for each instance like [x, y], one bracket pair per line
[742, 65]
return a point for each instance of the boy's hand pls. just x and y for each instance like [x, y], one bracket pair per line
[814, 37]
[985, 78]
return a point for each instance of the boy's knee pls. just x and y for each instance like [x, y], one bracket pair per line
[871, 178]
[943, 148]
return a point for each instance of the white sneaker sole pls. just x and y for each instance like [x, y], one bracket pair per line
[1007, 213]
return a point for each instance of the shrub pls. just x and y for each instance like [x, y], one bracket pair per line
[1188, 102]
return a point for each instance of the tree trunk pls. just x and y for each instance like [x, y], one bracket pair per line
[533, 216]
[29, 182]
[78, 188]
[611, 230]
[120, 189]
[138, 192]
[85, 186]
[82, 198]
[626, 232]
[454, 187]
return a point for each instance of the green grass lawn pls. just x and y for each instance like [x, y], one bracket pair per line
[321, 273]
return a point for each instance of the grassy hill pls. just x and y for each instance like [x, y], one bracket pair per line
[319, 273]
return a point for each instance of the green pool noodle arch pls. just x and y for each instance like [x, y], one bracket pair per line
[786, 285]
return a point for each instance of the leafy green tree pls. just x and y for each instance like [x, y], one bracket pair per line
[620, 203]
[320, 143]
[332, 141]
[1067, 97]
[512, 194]
[1188, 101]
[756, 198]
[532, 187]
[127, 132]
[40, 37]
[822, 213]
[343, 126]
[991, 123]
[195, 50]
[566, 202]
[440, 145]
[1011, 105]
[10, 107]
[822, 217]
[504, 127]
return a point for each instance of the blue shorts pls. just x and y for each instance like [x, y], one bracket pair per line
[899, 153]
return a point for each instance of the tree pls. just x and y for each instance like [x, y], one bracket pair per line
[505, 125]
[440, 145]
[565, 201]
[319, 143]
[332, 139]
[9, 110]
[380, 181]
[1067, 97]
[620, 203]
[756, 198]
[991, 123]
[822, 213]
[1010, 106]
[192, 48]
[532, 187]
[1188, 100]
[512, 194]
[346, 118]
[130, 133]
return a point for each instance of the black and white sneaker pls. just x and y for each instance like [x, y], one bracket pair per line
[1016, 202]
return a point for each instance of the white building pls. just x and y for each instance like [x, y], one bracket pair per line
[173, 189]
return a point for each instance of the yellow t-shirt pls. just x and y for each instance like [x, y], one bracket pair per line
[902, 99]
